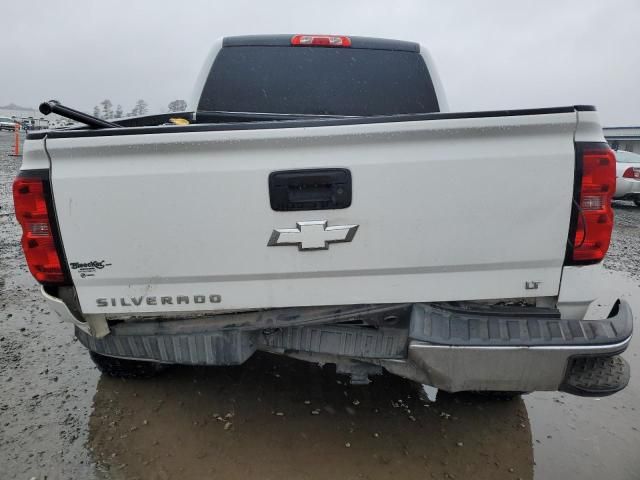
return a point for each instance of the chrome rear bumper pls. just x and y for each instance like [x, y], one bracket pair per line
[455, 368]
[460, 351]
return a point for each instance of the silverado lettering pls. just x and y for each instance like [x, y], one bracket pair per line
[152, 300]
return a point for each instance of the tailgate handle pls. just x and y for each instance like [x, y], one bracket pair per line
[313, 189]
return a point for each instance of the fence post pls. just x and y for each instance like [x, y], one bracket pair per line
[16, 136]
[16, 139]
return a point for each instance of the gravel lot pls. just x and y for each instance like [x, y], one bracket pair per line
[59, 418]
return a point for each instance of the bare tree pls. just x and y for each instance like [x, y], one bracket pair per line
[141, 108]
[177, 106]
[119, 113]
[107, 109]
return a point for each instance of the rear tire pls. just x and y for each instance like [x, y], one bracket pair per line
[123, 368]
[637, 202]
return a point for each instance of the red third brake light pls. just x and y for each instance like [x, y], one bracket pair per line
[594, 214]
[38, 242]
[320, 41]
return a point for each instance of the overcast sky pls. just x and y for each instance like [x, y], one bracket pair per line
[490, 54]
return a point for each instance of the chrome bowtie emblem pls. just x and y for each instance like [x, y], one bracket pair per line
[312, 235]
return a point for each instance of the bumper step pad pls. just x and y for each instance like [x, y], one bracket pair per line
[596, 376]
[340, 340]
[443, 326]
[233, 347]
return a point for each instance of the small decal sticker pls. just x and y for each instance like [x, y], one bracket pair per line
[89, 269]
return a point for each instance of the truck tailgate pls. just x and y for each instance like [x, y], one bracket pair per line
[446, 209]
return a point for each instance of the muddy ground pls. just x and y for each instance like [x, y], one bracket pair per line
[59, 418]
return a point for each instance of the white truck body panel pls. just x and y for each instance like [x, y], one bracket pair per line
[443, 103]
[447, 209]
[204, 73]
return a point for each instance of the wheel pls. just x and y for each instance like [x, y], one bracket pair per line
[637, 202]
[123, 368]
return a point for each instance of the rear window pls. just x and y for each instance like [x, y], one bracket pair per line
[318, 81]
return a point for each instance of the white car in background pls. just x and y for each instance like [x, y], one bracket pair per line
[627, 176]
[7, 123]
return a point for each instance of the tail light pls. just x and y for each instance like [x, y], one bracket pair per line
[320, 41]
[40, 243]
[592, 216]
[632, 172]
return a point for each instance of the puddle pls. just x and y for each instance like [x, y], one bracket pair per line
[276, 417]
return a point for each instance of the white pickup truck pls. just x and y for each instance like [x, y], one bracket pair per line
[311, 205]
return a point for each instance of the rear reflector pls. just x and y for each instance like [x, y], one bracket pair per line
[320, 41]
[632, 172]
[593, 215]
[38, 242]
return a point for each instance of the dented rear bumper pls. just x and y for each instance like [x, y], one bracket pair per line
[451, 348]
